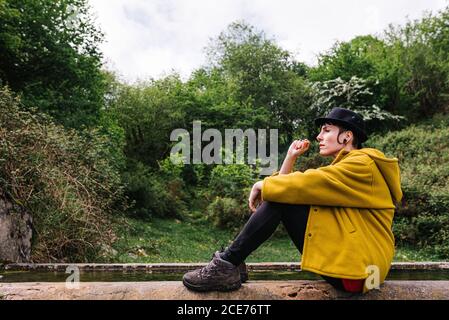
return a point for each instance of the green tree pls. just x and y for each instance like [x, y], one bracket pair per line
[421, 49]
[347, 59]
[355, 95]
[148, 112]
[406, 69]
[265, 80]
[49, 54]
[68, 182]
[368, 58]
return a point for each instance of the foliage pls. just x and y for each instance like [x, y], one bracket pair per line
[153, 194]
[421, 50]
[265, 80]
[172, 166]
[115, 143]
[230, 180]
[50, 54]
[406, 68]
[354, 95]
[423, 155]
[356, 57]
[148, 112]
[78, 181]
[64, 179]
[227, 213]
[229, 187]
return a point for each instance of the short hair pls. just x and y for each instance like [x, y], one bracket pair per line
[341, 128]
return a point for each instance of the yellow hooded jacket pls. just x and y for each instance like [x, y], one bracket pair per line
[352, 203]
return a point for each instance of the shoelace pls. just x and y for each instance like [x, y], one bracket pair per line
[208, 270]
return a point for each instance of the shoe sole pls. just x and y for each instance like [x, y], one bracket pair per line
[231, 287]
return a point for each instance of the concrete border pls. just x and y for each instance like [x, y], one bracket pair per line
[252, 290]
[183, 267]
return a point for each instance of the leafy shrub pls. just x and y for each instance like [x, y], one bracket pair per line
[423, 153]
[230, 185]
[65, 179]
[230, 180]
[227, 213]
[153, 194]
[354, 94]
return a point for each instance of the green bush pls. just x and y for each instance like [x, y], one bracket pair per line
[153, 194]
[65, 179]
[229, 187]
[227, 213]
[423, 153]
[230, 180]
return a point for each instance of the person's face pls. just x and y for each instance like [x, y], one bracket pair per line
[327, 138]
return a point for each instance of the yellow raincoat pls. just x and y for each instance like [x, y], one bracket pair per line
[352, 203]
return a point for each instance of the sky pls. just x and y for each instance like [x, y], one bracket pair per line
[152, 38]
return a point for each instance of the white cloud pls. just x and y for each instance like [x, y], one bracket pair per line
[151, 38]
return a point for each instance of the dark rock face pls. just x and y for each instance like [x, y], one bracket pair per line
[15, 233]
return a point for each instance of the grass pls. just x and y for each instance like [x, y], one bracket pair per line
[168, 240]
[410, 254]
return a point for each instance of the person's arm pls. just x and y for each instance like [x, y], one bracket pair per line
[287, 165]
[346, 184]
[297, 148]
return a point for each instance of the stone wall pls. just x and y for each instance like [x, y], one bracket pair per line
[253, 290]
[15, 232]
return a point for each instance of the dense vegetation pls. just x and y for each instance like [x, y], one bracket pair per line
[79, 147]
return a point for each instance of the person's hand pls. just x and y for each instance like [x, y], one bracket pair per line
[297, 148]
[255, 196]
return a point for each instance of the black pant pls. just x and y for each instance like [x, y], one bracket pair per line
[262, 224]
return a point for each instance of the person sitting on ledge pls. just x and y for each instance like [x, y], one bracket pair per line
[339, 216]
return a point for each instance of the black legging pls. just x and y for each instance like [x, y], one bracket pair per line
[262, 224]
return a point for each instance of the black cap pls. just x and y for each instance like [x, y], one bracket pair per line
[348, 119]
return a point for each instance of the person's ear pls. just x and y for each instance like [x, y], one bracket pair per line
[346, 140]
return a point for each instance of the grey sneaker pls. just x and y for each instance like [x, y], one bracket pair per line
[218, 275]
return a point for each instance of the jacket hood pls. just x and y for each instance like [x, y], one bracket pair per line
[389, 168]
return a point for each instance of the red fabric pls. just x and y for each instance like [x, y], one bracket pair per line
[353, 285]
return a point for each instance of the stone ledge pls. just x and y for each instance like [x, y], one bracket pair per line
[184, 267]
[252, 290]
